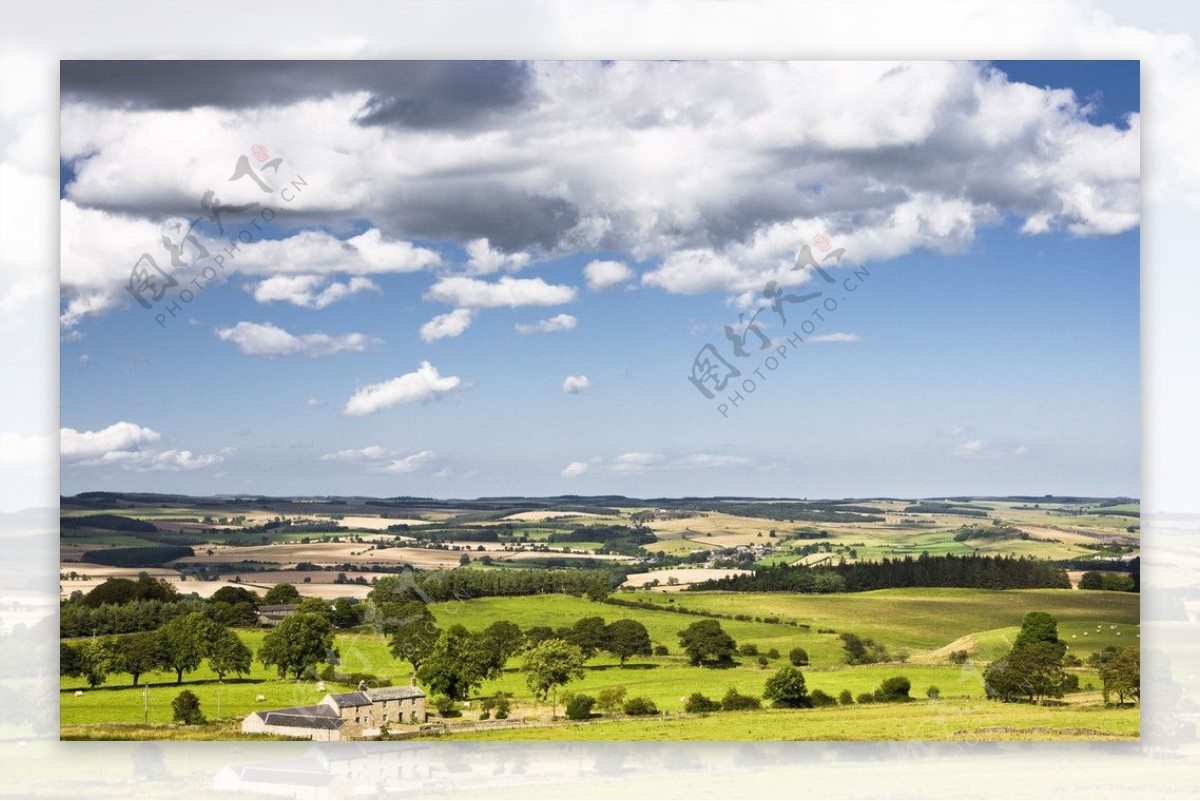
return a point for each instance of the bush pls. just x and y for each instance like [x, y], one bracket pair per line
[661, 650]
[773, 653]
[611, 698]
[697, 702]
[865, 698]
[762, 661]
[845, 698]
[822, 698]
[485, 715]
[959, 657]
[798, 657]
[640, 706]
[736, 702]
[186, 708]
[894, 689]
[579, 707]
[445, 706]
[933, 693]
[787, 689]
[748, 649]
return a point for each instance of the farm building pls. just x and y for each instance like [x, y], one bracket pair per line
[273, 614]
[343, 716]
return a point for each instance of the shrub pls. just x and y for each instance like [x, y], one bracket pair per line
[611, 698]
[735, 701]
[186, 708]
[894, 689]
[762, 661]
[661, 650]
[845, 698]
[697, 702]
[748, 649]
[865, 698]
[640, 706]
[579, 707]
[445, 705]
[862, 650]
[798, 657]
[773, 653]
[822, 698]
[933, 693]
[959, 657]
[485, 715]
[787, 689]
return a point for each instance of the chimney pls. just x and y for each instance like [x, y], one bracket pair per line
[414, 680]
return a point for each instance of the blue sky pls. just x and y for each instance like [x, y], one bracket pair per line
[992, 348]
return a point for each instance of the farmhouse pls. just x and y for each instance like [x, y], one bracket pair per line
[273, 614]
[343, 716]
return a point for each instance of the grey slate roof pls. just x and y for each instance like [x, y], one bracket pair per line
[394, 693]
[350, 699]
[303, 717]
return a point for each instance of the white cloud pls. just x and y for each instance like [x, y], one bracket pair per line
[473, 293]
[484, 259]
[575, 469]
[559, 322]
[641, 462]
[309, 291]
[120, 436]
[574, 384]
[603, 275]
[446, 325]
[123, 444]
[986, 449]
[637, 461]
[377, 459]
[421, 386]
[314, 403]
[265, 339]
[835, 337]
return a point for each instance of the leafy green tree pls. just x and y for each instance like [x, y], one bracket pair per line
[1032, 671]
[537, 634]
[185, 641]
[95, 661]
[346, 613]
[894, 689]
[1122, 675]
[862, 650]
[298, 644]
[501, 641]
[281, 594]
[845, 698]
[413, 631]
[552, 664]
[1091, 580]
[579, 706]
[235, 595]
[733, 701]
[228, 654]
[798, 657]
[1037, 627]
[627, 638]
[706, 643]
[139, 653]
[316, 606]
[70, 663]
[589, 634]
[787, 689]
[186, 708]
[610, 699]
[457, 664]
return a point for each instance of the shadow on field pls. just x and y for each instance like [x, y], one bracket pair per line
[198, 683]
[628, 666]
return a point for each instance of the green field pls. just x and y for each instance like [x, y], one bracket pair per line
[924, 622]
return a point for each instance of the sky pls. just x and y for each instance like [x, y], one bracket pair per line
[460, 279]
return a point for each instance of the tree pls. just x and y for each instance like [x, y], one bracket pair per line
[822, 698]
[787, 689]
[1033, 671]
[315, 606]
[589, 634]
[234, 596]
[70, 663]
[412, 628]
[1037, 627]
[228, 654]
[139, 653]
[862, 650]
[456, 665]
[298, 644]
[1091, 580]
[95, 661]
[705, 642]
[640, 706]
[1122, 675]
[798, 657]
[579, 707]
[733, 701]
[627, 638]
[501, 640]
[282, 594]
[698, 703]
[185, 641]
[346, 613]
[537, 634]
[186, 708]
[845, 698]
[894, 689]
[550, 665]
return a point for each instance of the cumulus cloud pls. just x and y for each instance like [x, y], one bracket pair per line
[377, 459]
[482, 258]
[265, 339]
[473, 293]
[834, 337]
[446, 325]
[423, 385]
[124, 444]
[309, 291]
[575, 469]
[603, 275]
[574, 384]
[559, 322]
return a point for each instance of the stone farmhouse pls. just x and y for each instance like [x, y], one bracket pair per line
[343, 716]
